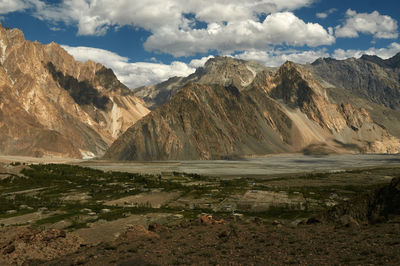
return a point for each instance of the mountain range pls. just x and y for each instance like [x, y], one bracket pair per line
[233, 108]
[52, 105]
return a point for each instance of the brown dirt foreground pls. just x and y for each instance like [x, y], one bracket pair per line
[362, 231]
[21, 244]
[255, 242]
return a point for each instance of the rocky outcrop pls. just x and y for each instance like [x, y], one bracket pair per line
[20, 245]
[279, 111]
[52, 105]
[370, 77]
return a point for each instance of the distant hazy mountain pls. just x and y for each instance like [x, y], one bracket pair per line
[233, 108]
[51, 105]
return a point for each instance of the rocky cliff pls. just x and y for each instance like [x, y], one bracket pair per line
[270, 111]
[52, 105]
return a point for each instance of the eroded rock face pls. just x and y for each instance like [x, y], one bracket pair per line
[52, 105]
[279, 111]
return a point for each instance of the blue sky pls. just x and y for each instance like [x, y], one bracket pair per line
[147, 41]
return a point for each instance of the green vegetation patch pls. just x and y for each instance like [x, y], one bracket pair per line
[71, 192]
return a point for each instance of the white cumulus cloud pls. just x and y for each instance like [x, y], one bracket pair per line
[226, 25]
[92, 15]
[323, 15]
[8, 6]
[277, 28]
[380, 26]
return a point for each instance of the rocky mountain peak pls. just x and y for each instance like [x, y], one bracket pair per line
[394, 62]
[288, 65]
[369, 77]
[220, 70]
[370, 57]
[376, 60]
[53, 105]
[223, 60]
[228, 71]
[15, 35]
[295, 85]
